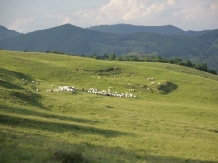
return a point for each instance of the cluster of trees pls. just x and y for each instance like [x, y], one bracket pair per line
[144, 58]
[55, 52]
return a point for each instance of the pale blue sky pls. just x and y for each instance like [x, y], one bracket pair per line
[30, 15]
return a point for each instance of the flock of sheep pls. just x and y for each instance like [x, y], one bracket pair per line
[109, 93]
[95, 90]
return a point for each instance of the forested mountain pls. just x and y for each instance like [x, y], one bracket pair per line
[6, 33]
[130, 29]
[75, 40]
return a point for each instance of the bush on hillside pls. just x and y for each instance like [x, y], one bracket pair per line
[167, 87]
[67, 157]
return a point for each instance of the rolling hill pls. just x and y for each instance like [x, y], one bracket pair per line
[75, 40]
[171, 122]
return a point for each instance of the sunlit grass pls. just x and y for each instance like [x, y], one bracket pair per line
[178, 126]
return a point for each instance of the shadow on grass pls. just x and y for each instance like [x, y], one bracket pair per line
[167, 87]
[18, 75]
[23, 97]
[15, 92]
[21, 111]
[122, 155]
[57, 127]
[16, 145]
[9, 85]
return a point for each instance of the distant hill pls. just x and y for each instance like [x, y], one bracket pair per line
[6, 33]
[66, 38]
[75, 40]
[130, 29]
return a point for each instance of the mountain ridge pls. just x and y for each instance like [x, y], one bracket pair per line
[121, 29]
[6, 33]
[76, 40]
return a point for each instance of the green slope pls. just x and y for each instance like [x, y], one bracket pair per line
[174, 122]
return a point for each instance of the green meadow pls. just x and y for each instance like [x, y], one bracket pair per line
[174, 120]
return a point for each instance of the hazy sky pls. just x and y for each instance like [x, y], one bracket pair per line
[30, 15]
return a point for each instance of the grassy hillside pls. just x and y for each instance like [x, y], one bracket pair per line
[172, 122]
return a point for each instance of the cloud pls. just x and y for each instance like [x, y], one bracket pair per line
[21, 24]
[170, 2]
[186, 14]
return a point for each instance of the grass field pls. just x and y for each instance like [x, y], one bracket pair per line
[175, 122]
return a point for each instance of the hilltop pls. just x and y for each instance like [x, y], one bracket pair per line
[174, 121]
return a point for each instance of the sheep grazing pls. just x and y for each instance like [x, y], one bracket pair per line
[24, 80]
[66, 88]
[132, 90]
[108, 93]
[115, 76]
[150, 78]
[49, 90]
[37, 90]
[152, 82]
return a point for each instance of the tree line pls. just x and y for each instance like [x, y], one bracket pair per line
[143, 58]
[146, 58]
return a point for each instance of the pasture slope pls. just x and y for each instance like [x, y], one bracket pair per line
[175, 122]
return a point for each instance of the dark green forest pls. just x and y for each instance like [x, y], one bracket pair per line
[122, 29]
[69, 39]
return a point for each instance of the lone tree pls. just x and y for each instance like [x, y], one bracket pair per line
[188, 63]
[112, 57]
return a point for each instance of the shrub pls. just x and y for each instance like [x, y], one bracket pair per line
[67, 157]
